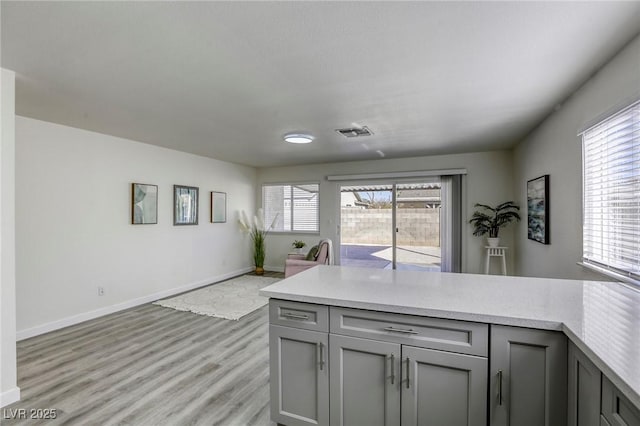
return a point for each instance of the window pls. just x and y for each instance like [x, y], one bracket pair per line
[296, 206]
[611, 194]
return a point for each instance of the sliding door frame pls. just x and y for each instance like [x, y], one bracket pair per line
[394, 194]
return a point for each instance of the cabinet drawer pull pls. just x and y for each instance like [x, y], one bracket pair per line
[393, 369]
[321, 345]
[499, 387]
[400, 330]
[408, 366]
[295, 316]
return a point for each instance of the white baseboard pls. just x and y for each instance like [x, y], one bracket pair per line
[85, 316]
[9, 397]
[278, 268]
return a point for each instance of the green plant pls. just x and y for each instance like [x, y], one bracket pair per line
[489, 220]
[259, 249]
[298, 244]
[257, 232]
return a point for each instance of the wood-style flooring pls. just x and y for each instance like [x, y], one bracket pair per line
[148, 365]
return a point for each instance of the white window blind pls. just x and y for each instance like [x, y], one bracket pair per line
[296, 205]
[611, 194]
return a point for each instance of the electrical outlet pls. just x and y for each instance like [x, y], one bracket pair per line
[100, 291]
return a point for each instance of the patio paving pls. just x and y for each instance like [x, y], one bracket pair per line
[363, 256]
[422, 258]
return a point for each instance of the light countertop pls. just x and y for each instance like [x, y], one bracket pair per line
[601, 318]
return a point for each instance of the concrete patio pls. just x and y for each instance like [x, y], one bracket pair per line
[424, 258]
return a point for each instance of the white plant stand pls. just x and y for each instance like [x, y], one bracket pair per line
[496, 252]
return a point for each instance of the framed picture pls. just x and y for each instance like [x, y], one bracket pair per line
[538, 209]
[185, 205]
[144, 204]
[218, 207]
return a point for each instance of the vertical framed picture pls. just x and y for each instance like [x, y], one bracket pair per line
[144, 204]
[218, 207]
[185, 205]
[538, 209]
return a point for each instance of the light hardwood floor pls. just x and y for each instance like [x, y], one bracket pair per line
[149, 365]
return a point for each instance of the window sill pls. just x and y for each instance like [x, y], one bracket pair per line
[294, 232]
[634, 284]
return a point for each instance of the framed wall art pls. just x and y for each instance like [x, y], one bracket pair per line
[218, 207]
[185, 205]
[144, 204]
[538, 209]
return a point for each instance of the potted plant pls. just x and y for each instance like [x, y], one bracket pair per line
[298, 245]
[258, 233]
[489, 220]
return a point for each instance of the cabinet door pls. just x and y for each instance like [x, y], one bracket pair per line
[584, 390]
[299, 376]
[365, 382]
[528, 377]
[616, 408]
[443, 388]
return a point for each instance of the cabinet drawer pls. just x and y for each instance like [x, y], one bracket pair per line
[299, 315]
[616, 408]
[432, 333]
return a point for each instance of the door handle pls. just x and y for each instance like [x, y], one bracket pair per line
[321, 345]
[393, 369]
[295, 316]
[408, 373]
[400, 330]
[499, 387]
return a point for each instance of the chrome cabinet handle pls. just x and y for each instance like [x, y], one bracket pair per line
[408, 366]
[393, 369]
[400, 330]
[295, 316]
[321, 345]
[499, 387]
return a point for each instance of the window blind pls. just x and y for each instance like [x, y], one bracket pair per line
[296, 205]
[611, 194]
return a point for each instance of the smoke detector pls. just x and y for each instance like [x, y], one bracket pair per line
[355, 132]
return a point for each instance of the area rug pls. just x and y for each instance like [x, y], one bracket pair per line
[231, 299]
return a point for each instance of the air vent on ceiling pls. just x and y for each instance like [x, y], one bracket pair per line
[355, 132]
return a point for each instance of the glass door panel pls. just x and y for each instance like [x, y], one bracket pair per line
[366, 225]
[417, 212]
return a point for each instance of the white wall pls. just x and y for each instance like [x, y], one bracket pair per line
[555, 149]
[73, 230]
[488, 180]
[9, 391]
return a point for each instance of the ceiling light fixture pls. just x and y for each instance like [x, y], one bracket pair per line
[298, 138]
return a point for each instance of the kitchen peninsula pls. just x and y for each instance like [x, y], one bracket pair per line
[364, 346]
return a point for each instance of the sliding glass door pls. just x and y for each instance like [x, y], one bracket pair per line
[391, 225]
[366, 224]
[417, 212]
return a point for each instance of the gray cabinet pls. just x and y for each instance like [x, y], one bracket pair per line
[299, 376]
[370, 378]
[593, 399]
[364, 382]
[528, 377]
[617, 410]
[443, 388]
[584, 390]
[432, 333]
[299, 315]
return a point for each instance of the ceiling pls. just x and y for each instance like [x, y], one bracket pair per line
[228, 79]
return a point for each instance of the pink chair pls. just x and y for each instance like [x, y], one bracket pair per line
[324, 257]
